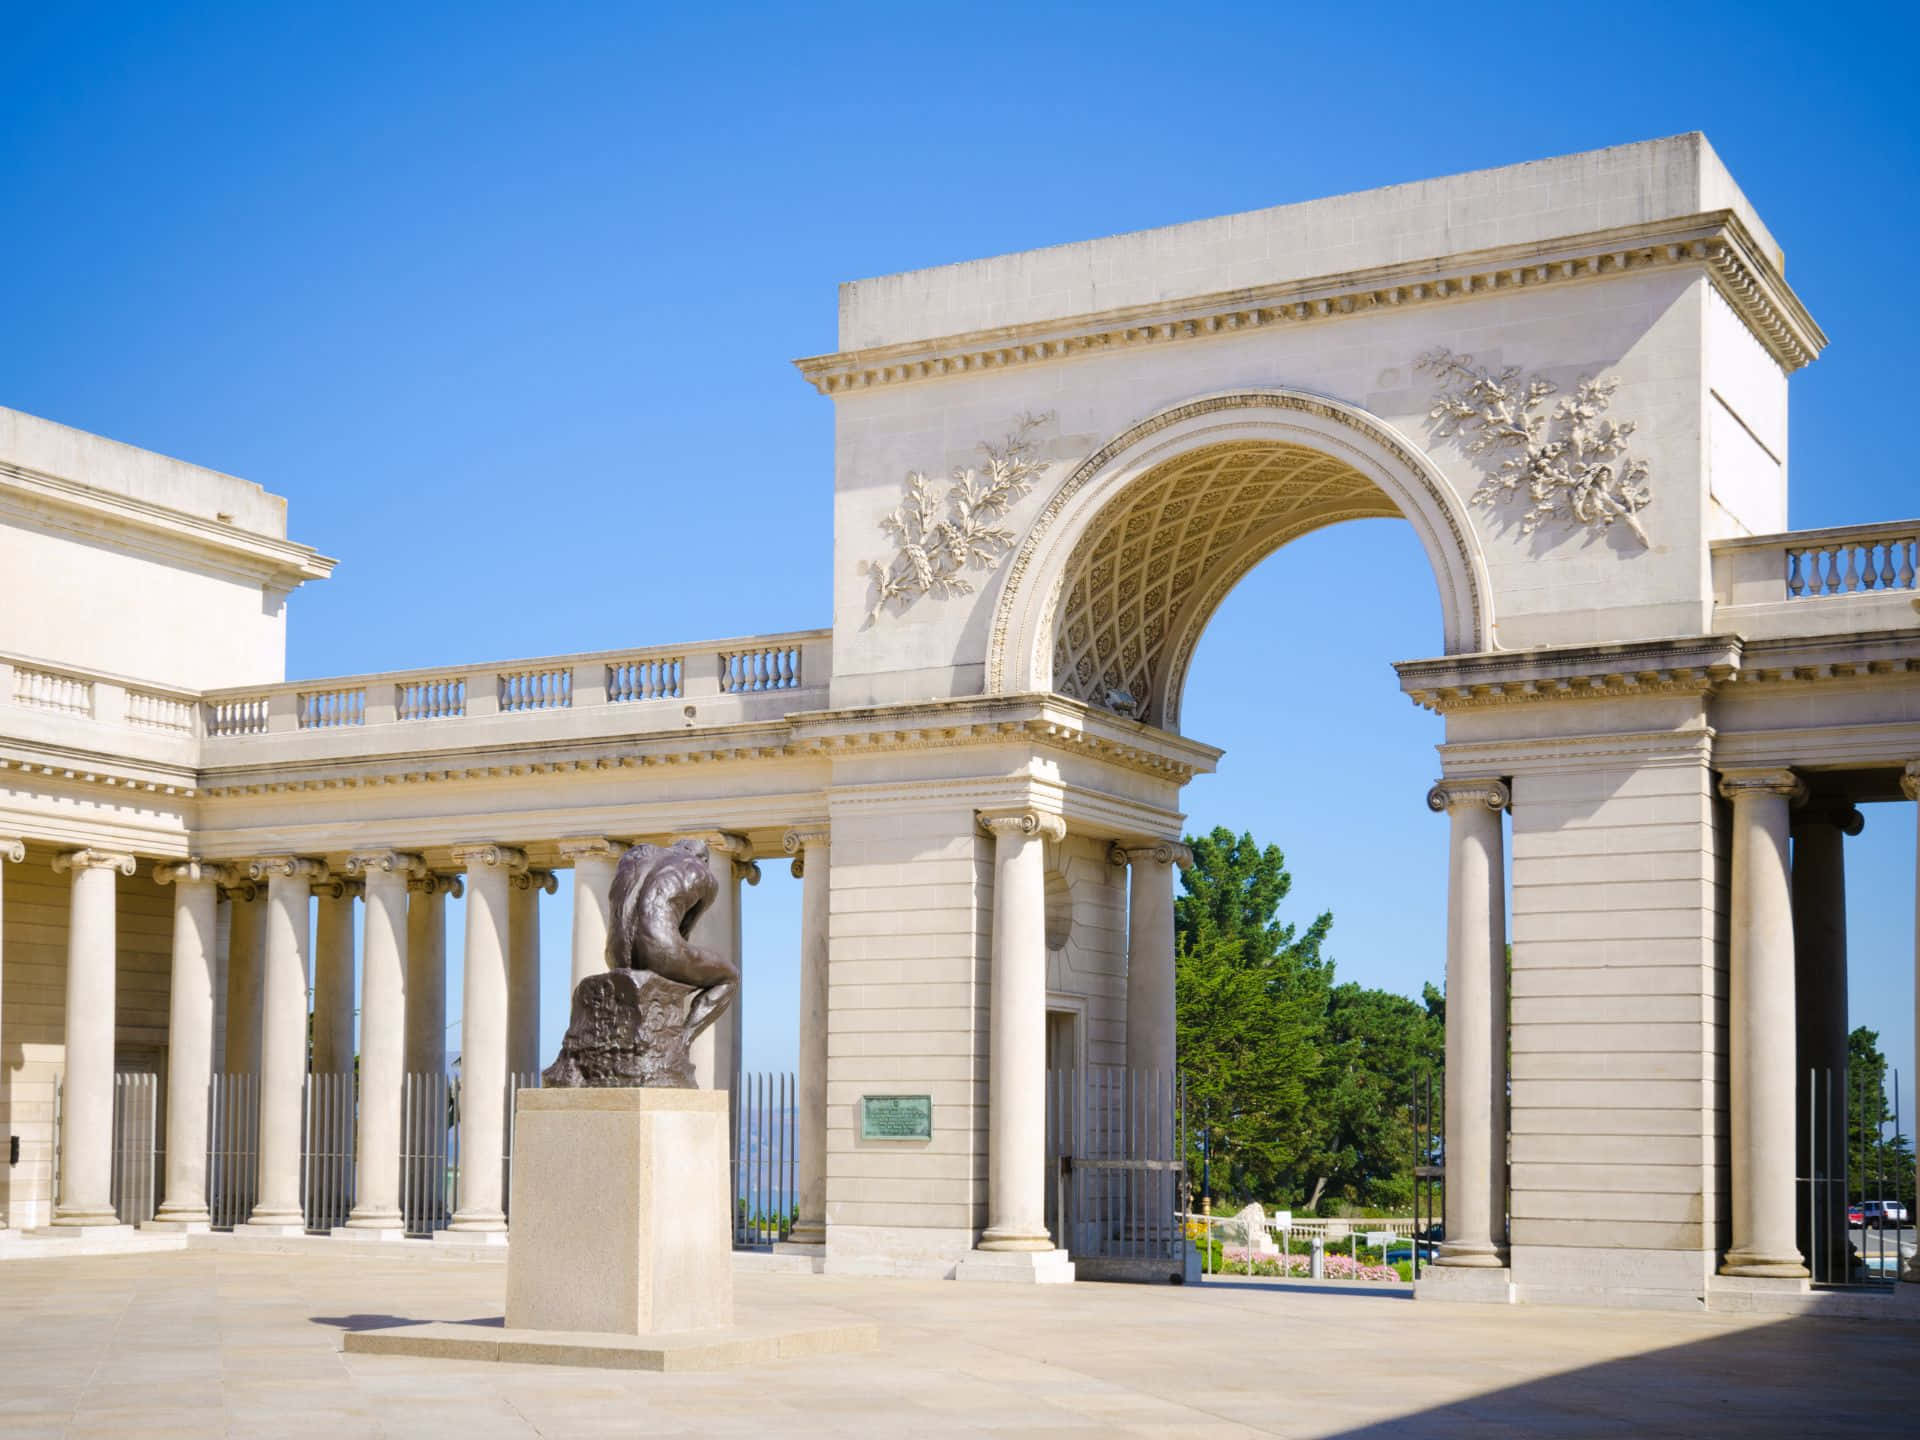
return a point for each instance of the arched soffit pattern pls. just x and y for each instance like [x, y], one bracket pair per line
[1130, 557]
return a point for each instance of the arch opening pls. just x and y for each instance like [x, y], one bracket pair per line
[1111, 589]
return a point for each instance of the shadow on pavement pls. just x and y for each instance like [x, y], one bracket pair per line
[1799, 1377]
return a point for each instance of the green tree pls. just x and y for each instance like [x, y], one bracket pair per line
[1252, 1004]
[1376, 1046]
[1879, 1157]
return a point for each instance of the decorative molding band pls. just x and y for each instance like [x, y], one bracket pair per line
[1469, 793]
[1716, 242]
[95, 770]
[531, 880]
[1698, 666]
[502, 856]
[90, 859]
[289, 867]
[196, 871]
[1740, 784]
[12, 849]
[1022, 820]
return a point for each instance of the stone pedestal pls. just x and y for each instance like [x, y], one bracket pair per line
[619, 1208]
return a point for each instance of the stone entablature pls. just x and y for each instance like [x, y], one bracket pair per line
[1717, 244]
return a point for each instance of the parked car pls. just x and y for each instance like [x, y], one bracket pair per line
[1855, 1217]
[1878, 1214]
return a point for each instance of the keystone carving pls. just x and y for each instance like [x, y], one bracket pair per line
[936, 548]
[1569, 463]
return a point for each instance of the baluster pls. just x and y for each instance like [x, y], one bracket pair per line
[1886, 564]
[1907, 549]
[1850, 580]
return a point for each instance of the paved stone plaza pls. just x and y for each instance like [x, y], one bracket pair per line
[201, 1343]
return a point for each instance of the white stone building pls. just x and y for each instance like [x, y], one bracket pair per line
[1569, 376]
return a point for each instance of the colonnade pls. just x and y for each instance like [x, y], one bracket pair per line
[402, 1013]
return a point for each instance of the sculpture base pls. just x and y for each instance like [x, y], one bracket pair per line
[620, 1212]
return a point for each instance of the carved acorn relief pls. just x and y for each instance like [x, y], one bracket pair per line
[1568, 463]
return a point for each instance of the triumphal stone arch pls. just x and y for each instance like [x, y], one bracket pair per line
[1661, 709]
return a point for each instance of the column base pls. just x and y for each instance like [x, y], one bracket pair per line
[111, 1229]
[1015, 1241]
[1016, 1267]
[807, 1232]
[367, 1235]
[1465, 1284]
[470, 1237]
[372, 1219]
[185, 1223]
[1471, 1255]
[1764, 1267]
[87, 1217]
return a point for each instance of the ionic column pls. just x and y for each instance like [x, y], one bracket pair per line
[523, 969]
[86, 1095]
[1910, 783]
[1820, 1012]
[283, 1039]
[483, 1043]
[594, 860]
[333, 975]
[812, 865]
[383, 1010]
[426, 1016]
[1760, 1015]
[1476, 1191]
[1017, 1031]
[196, 901]
[246, 941]
[716, 1050]
[1150, 1009]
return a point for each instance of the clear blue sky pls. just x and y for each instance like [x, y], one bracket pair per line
[502, 300]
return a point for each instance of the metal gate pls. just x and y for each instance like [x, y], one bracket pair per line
[136, 1147]
[764, 1165]
[428, 1151]
[1116, 1147]
[233, 1148]
[1856, 1189]
[326, 1152]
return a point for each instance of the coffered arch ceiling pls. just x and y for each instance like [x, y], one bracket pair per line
[1142, 581]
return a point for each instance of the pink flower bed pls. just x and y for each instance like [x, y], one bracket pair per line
[1336, 1266]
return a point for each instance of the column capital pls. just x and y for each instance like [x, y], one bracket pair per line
[404, 863]
[1154, 852]
[240, 887]
[797, 842]
[504, 856]
[90, 859]
[339, 887]
[531, 879]
[195, 871]
[12, 848]
[1841, 814]
[1910, 782]
[430, 882]
[1022, 820]
[747, 870]
[724, 842]
[1482, 792]
[589, 847]
[1736, 783]
[289, 867]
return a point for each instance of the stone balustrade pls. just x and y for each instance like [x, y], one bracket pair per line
[1796, 583]
[641, 683]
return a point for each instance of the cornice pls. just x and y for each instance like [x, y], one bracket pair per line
[1579, 672]
[88, 768]
[165, 530]
[1715, 241]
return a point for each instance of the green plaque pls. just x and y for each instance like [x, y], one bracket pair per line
[896, 1117]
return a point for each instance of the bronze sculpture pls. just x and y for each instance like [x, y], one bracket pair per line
[635, 1024]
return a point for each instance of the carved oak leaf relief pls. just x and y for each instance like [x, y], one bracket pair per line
[941, 537]
[1569, 462]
